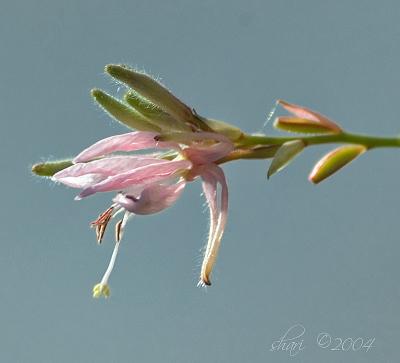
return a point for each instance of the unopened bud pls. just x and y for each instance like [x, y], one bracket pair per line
[310, 115]
[51, 167]
[152, 90]
[301, 125]
[157, 116]
[335, 160]
[123, 113]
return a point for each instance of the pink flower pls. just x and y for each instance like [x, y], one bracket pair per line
[150, 183]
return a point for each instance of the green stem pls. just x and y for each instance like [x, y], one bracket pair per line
[369, 142]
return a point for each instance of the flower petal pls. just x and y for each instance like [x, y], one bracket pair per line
[132, 141]
[148, 174]
[212, 175]
[82, 175]
[210, 192]
[153, 199]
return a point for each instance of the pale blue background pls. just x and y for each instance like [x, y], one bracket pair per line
[325, 256]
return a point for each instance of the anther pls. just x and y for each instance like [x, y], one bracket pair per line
[118, 231]
[101, 223]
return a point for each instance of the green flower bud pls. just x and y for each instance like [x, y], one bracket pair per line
[141, 104]
[335, 160]
[123, 113]
[152, 90]
[155, 114]
[301, 125]
[51, 167]
[156, 93]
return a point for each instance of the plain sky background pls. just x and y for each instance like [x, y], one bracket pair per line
[324, 256]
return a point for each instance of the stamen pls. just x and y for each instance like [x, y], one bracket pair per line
[100, 230]
[118, 231]
[120, 225]
[103, 217]
[101, 223]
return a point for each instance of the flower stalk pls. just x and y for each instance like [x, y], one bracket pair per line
[370, 142]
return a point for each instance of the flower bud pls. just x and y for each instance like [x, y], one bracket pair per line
[285, 154]
[141, 104]
[157, 116]
[152, 90]
[123, 113]
[51, 167]
[311, 116]
[335, 160]
[301, 125]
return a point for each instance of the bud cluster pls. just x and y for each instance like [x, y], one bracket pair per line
[306, 121]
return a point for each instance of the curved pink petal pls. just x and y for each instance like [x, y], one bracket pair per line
[153, 198]
[83, 175]
[132, 141]
[213, 174]
[306, 113]
[210, 192]
[81, 181]
[151, 173]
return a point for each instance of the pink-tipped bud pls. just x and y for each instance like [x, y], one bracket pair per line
[301, 125]
[313, 118]
[334, 161]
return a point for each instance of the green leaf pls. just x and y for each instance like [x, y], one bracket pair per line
[285, 154]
